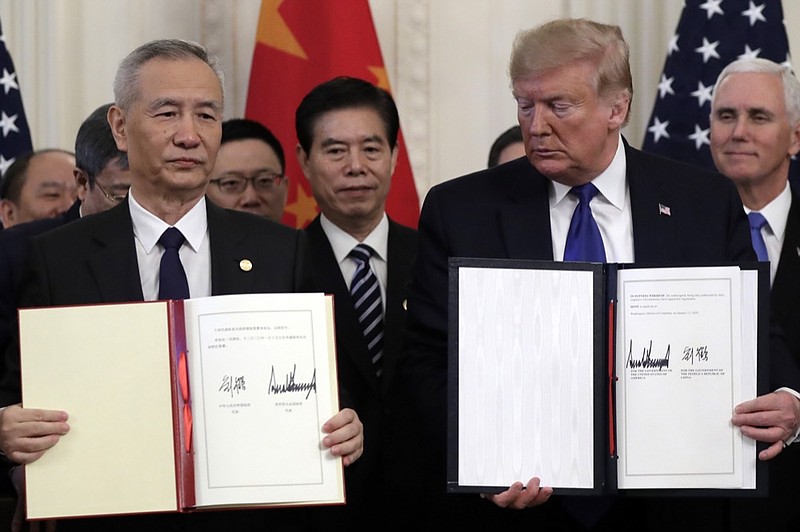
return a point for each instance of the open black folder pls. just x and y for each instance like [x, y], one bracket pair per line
[604, 378]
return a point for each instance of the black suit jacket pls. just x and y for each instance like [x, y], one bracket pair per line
[503, 212]
[368, 396]
[781, 511]
[14, 249]
[93, 260]
[785, 294]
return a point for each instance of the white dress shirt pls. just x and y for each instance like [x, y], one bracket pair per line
[611, 209]
[195, 253]
[342, 243]
[776, 212]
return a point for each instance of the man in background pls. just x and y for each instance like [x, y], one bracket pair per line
[39, 184]
[347, 130]
[755, 130]
[101, 170]
[249, 174]
[506, 147]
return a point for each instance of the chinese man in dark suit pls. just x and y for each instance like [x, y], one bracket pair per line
[347, 130]
[167, 117]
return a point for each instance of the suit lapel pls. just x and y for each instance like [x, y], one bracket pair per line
[401, 255]
[786, 287]
[227, 253]
[651, 211]
[525, 217]
[114, 266]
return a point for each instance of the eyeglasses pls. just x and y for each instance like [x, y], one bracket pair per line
[112, 198]
[236, 184]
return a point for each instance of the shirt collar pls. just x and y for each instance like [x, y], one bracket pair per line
[610, 183]
[776, 212]
[342, 242]
[148, 227]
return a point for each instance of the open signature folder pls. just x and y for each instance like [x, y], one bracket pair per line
[182, 405]
[604, 378]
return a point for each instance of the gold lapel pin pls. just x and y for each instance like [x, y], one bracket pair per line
[245, 265]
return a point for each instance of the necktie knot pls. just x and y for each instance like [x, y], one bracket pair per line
[585, 192]
[757, 220]
[361, 254]
[172, 238]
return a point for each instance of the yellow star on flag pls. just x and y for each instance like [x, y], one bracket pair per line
[273, 30]
[304, 208]
[381, 77]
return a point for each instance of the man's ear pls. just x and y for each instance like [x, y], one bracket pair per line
[116, 119]
[395, 153]
[620, 107]
[794, 146]
[82, 182]
[302, 159]
[8, 212]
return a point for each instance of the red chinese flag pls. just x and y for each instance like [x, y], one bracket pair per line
[300, 44]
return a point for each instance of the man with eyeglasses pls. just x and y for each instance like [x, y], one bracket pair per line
[101, 170]
[249, 172]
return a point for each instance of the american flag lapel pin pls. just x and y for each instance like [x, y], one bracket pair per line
[663, 209]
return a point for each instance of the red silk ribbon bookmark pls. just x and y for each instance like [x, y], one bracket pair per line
[183, 380]
[612, 443]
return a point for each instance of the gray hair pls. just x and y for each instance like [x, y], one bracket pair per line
[126, 82]
[791, 86]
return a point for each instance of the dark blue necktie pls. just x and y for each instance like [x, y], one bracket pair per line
[367, 303]
[172, 283]
[757, 221]
[584, 242]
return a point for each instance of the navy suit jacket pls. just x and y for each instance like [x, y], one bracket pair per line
[504, 212]
[370, 396]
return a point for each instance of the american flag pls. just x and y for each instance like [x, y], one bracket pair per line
[16, 137]
[710, 34]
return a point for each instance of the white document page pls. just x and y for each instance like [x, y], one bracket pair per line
[679, 363]
[263, 382]
[525, 390]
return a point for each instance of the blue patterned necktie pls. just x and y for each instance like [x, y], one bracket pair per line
[366, 295]
[584, 242]
[757, 221]
[172, 283]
